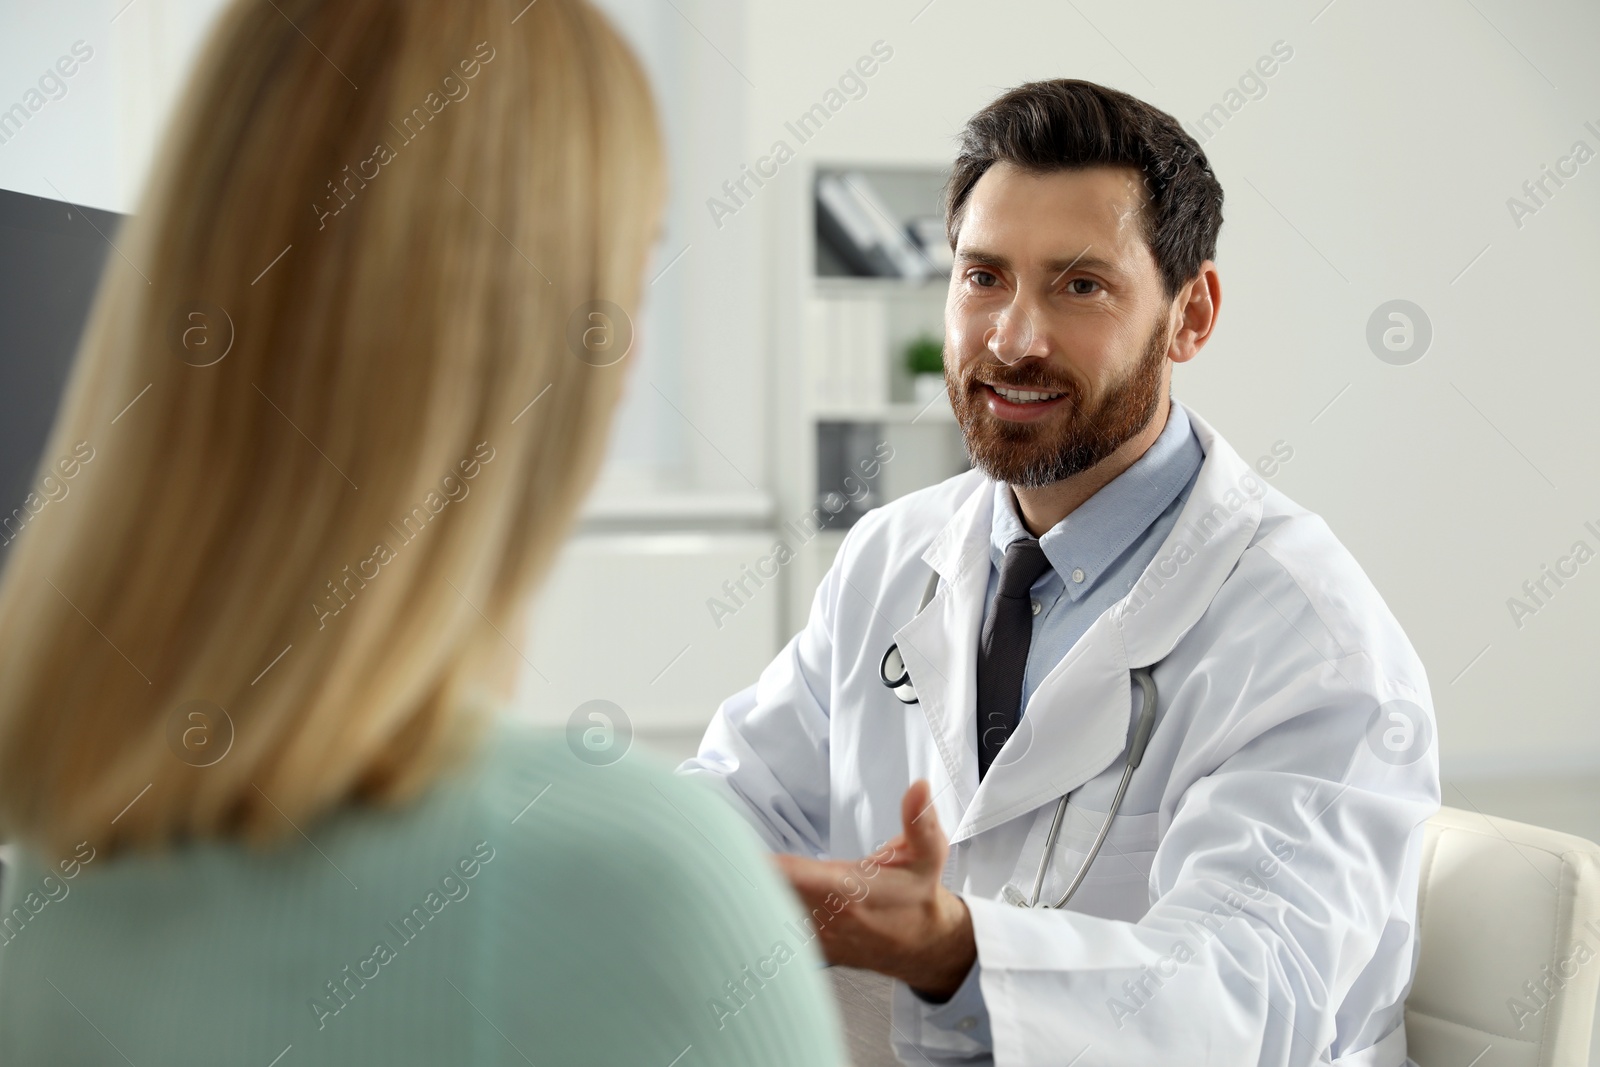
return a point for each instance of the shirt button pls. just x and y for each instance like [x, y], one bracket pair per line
[967, 1022]
[1077, 574]
[1036, 606]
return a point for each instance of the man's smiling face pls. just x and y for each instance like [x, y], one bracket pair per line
[1057, 326]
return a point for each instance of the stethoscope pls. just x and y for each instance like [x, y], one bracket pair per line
[893, 674]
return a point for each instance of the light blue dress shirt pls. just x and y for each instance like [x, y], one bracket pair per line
[1099, 551]
[1096, 555]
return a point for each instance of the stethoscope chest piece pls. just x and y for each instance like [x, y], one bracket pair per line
[893, 674]
[892, 670]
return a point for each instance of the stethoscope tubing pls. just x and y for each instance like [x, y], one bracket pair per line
[1141, 739]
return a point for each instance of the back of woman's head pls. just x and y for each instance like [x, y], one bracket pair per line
[389, 220]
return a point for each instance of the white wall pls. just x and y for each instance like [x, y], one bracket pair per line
[93, 145]
[624, 618]
[677, 430]
[1376, 166]
[66, 142]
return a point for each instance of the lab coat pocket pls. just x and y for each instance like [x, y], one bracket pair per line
[1117, 885]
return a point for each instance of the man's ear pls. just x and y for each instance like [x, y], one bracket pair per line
[1197, 305]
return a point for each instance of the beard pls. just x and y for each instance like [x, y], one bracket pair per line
[1036, 454]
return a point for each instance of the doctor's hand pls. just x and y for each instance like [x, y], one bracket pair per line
[889, 912]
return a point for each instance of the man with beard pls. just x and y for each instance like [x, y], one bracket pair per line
[1216, 865]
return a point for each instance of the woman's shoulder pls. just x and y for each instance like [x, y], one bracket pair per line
[522, 767]
[592, 789]
[607, 879]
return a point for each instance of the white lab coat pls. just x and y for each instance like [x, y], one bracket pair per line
[1255, 902]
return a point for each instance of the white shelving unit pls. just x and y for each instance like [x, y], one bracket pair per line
[843, 387]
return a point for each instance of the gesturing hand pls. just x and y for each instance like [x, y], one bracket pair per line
[898, 920]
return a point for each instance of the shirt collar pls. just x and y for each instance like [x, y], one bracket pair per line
[1090, 539]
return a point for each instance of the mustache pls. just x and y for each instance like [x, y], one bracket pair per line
[1035, 379]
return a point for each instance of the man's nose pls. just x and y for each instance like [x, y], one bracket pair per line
[1016, 332]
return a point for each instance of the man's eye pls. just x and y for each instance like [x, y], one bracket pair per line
[1084, 281]
[983, 278]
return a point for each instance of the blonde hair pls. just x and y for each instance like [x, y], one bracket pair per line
[392, 315]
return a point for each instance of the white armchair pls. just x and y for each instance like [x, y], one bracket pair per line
[1509, 916]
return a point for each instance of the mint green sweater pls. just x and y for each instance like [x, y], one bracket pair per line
[531, 909]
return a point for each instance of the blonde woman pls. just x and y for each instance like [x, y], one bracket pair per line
[262, 812]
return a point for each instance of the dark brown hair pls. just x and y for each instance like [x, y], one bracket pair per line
[1068, 124]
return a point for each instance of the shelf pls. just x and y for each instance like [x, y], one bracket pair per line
[877, 223]
[616, 506]
[830, 285]
[849, 414]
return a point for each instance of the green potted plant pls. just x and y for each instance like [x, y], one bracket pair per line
[925, 360]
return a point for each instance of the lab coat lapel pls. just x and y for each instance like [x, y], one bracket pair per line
[1075, 724]
[939, 646]
[1217, 524]
[1080, 717]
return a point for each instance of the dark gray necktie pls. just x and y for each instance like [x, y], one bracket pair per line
[1003, 648]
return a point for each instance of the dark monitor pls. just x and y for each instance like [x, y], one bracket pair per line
[51, 254]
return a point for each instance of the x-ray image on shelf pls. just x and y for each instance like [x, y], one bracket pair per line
[859, 229]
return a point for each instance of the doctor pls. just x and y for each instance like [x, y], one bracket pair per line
[1254, 899]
